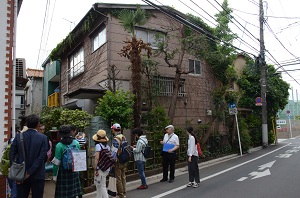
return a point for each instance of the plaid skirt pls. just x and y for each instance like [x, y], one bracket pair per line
[67, 184]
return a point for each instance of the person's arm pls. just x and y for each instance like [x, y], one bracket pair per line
[41, 157]
[191, 146]
[13, 149]
[57, 160]
[97, 155]
[139, 147]
[115, 147]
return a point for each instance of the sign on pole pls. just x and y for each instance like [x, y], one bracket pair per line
[232, 111]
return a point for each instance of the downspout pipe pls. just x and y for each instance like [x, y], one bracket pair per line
[13, 110]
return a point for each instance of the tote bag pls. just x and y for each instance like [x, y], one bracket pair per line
[17, 171]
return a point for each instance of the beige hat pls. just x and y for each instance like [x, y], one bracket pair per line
[169, 126]
[100, 136]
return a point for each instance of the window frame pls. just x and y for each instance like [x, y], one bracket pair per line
[193, 72]
[72, 73]
[164, 86]
[102, 29]
[149, 32]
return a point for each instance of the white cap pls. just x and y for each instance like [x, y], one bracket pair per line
[116, 126]
[169, 126]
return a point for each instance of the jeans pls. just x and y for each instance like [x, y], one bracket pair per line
[13, 188]
[100, 182]
[140, 166]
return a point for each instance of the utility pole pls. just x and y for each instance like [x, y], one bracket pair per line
[263, 77]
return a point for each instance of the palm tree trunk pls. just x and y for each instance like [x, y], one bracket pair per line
[136, 79]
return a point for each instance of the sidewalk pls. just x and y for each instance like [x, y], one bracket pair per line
[50, 185]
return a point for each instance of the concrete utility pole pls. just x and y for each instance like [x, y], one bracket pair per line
[263, 77]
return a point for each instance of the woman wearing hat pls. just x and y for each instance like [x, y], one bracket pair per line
[67, 182]
[100, 140]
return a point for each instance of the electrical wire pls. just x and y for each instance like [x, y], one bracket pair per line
[44, 22]
[269, 16]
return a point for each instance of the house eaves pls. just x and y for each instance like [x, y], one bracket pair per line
[89, 92]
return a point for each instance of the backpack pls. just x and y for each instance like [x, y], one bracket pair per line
[67, 159]
[106, 160]
[124, 150]
[147, 150]
[4, 165]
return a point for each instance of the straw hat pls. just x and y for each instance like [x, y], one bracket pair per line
[100, 136]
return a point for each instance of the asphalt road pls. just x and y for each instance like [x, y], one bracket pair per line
[267, 173]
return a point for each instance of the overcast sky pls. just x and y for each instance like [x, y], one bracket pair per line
[39, 31]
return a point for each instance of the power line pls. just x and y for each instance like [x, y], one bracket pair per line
[269, 16]
[196, 28]
[46, 12]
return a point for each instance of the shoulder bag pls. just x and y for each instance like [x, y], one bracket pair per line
[17, 171]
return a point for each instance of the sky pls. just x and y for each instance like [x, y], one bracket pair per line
[42, 24]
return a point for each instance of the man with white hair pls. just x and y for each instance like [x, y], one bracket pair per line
[170, 145]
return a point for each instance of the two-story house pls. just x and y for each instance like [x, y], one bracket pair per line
[93, 47]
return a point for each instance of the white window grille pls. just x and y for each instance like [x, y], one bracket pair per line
[148, 36]
[194, 67]
[99, 39]
[164, 86]
[76, 63]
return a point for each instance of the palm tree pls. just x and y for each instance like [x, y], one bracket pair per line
[132, 50]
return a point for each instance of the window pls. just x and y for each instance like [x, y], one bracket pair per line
[20, 101]
[76, 63]
[194, 67]
[163, 86]
[148, 36]
[99, 39]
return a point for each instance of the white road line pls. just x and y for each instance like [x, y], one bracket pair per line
[216, 174]
[242, 179]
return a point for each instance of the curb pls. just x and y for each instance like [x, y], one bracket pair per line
[180, 171]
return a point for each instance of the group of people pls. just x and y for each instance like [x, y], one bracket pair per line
[38, 152]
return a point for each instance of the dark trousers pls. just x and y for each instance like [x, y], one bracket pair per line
[169, 160]
[36, 187]
[194, 170]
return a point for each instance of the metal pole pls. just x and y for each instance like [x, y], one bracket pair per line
[13, 109]
[263, 77]
[238, 131]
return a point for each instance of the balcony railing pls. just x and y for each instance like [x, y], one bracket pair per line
[53, 100]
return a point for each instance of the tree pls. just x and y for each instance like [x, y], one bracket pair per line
[116, 107]
[171, 53]
[132, 50]
[219, 55]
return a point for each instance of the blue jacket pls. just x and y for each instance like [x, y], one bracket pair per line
[36, 147]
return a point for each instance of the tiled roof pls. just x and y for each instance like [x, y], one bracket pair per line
[35, 73]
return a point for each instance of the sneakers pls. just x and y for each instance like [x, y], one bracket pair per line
[195, 185]
[142, 187]
[190, 184]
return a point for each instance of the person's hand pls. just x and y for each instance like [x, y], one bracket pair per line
[54, 178]
[96, 173]
[161, 142]
[190, 159]
[170, 151]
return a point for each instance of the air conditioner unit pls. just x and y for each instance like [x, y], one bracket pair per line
[21, 67]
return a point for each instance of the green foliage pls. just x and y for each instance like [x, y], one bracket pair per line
[130, 18]
[116, 107]
[271, 137]
[55, 117]
[80, 119]
[246, 142]
[156, 119]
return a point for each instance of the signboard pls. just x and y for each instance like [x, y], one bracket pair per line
[279, 122]
[232, 111]
[232, 105]
[258, 101]
[79, 159]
